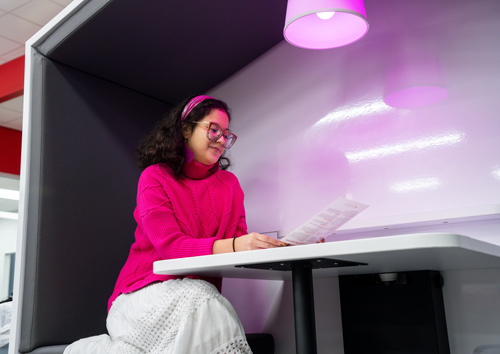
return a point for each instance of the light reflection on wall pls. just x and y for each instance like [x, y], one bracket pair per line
[416, 185]
[429, 142]
[496, 173]
[414, 78]
[364, 108]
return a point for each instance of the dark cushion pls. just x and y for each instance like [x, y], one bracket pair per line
[261, 343]
[51, 349]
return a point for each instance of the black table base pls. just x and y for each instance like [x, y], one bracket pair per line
[303, 295]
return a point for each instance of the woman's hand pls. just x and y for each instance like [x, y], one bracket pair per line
[252, 241]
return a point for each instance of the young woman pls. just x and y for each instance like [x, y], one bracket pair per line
[188, 204]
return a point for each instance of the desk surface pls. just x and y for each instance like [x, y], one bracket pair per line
[431, 251]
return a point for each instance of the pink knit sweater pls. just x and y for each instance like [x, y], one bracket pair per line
[180, 218]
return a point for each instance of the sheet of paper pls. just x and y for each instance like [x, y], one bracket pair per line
[325, 222]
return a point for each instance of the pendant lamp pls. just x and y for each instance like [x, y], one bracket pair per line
[323, 24]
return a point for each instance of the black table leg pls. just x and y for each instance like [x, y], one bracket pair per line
[303, 295]
[303, 303]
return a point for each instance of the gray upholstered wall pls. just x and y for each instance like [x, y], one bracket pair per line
[83, 178]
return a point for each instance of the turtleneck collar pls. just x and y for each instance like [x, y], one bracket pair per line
[195, 170]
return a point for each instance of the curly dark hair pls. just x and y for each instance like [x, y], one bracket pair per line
[166, 143]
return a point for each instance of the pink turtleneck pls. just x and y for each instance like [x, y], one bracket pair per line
[180, 218]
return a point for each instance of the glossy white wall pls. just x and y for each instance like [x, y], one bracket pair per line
[313, 125]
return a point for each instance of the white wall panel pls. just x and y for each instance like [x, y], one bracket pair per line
[312, 125]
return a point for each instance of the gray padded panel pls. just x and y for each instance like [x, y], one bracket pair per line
[82, 186]
[67, 28]
[32, 219]
[167, 49]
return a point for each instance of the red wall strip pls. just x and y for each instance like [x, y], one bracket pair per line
[10, 151]
[11, 86]
[12, 79]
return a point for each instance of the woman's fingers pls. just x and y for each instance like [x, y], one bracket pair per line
[264, 241]
[255, 241]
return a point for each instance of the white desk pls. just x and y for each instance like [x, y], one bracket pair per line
[432, 251]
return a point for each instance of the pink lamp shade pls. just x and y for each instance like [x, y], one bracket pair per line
[414, 79]
[323, 24]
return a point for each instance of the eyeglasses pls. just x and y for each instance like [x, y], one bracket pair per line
[214, 133]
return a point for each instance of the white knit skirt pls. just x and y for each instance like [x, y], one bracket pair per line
[174, 317]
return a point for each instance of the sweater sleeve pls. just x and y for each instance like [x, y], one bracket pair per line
[160, 225]
[241, 228]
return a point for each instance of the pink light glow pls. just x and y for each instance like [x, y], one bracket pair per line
[414, 78]
[416, 96]
[305, 29]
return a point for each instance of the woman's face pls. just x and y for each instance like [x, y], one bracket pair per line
[205, 151]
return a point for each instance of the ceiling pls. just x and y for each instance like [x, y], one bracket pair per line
[19, 21]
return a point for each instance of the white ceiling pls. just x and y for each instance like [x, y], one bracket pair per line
[19, 21]
[11, 113]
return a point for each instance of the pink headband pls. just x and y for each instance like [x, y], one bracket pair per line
[193, 103]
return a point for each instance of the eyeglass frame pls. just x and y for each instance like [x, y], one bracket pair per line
[221, 134]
